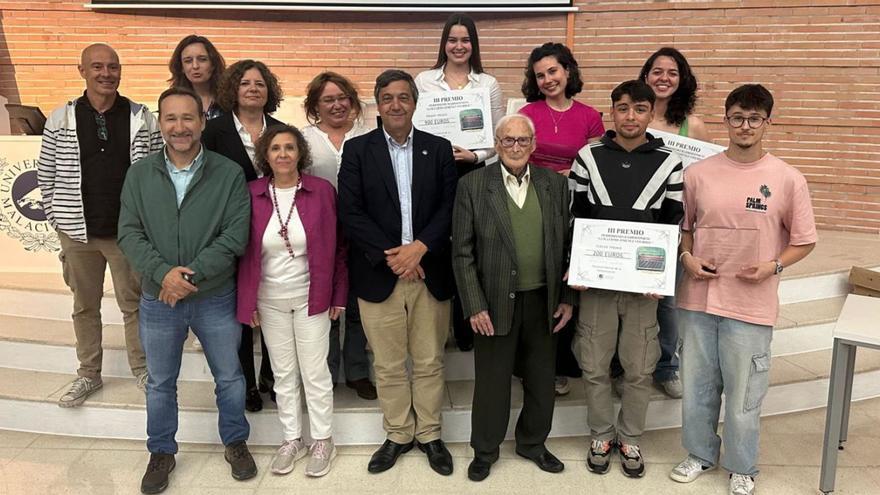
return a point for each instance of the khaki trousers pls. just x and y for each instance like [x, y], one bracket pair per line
[410, 323]
[610, 320]
[83, 265]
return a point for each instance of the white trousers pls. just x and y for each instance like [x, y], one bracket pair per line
[298, 346]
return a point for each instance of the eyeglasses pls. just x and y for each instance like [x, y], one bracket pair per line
[329, 100]
[103, 134]
[508, 142]
[755, 121]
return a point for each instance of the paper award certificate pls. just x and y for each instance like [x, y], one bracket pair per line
[688, 149]
[462, 116]
[625, 256]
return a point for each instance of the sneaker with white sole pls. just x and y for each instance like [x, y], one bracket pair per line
[79, 390]
[689, 469]
[672, 388]
[599, 457]
[142, 381]
[741, 484]
[289, 452]
[561, 386]
[631, 461]
[323, 453]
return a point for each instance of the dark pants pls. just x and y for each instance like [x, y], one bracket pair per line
[246, 358]
[529, 346]
[461, 323]
[566, 363]
[355, 363]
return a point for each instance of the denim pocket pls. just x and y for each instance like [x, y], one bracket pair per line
[759, 381]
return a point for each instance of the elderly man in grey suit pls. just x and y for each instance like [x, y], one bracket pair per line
[510, 239]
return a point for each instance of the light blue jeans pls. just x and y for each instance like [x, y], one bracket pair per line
[731, 356]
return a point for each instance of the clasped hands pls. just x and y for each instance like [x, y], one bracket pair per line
[700, 269]
[405, 260]
[175, 287]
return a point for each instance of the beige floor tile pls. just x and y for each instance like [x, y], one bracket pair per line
[62, 442]
[813, 312]
[42, 467]
[110, 444]
[215, 473]
[783, 370]
[820, 362]
[8, 454]
[119, 468]
[10, 438]
[32, 385]
[838, 251]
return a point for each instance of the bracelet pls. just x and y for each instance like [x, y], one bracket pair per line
[680, 256]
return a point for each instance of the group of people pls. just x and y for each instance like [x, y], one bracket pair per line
[216, 218]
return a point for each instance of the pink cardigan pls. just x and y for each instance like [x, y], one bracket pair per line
[328, 275]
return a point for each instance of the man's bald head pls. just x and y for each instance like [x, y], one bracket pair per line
[94, 48]
[99, 66]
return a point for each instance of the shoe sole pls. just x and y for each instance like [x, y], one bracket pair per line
[324, 471]
[161, 488]
[631, 474]
[299, 455]
[78, 401]
[406, 449]
[684, 479]
[598, 469]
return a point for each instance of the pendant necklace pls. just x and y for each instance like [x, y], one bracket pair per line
[554, 119]
[284, 233]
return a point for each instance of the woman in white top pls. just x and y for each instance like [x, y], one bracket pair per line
[334, 110]
[459, 67]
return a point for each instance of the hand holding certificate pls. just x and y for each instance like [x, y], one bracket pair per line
[463, 116]
[624, 256]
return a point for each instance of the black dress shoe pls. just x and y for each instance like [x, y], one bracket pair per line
[252, 400]
[155, 480]
[479, 469]
[464, 346]
[364, 388]
[384, 458]
[546, 461]
[438, 456]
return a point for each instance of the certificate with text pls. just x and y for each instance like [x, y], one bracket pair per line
[624, 256]
[462, 116]
[690, 150]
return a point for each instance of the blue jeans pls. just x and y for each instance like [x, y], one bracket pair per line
[163, 330]
[667, 318]
[723, 355]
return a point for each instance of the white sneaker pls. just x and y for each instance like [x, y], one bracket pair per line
[672, 388]
[689, 469]
[289, 452]
[323, 453]
[79, 390]
[561, 386]
[142, 381]
[741, 484]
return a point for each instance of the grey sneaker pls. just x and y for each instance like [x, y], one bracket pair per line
[560, 385]
[672, 387]
[689, 469]
[289, 452]
[599, 457]
[741, 484]
[142, 381]
[631, 460]
[79, 390]
[323, 452]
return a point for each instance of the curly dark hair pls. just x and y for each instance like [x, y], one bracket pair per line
[227, 91]
[563, 55]
[466, 21]
[316, 87]
[175, 65]
[682, 102]
[262, 148]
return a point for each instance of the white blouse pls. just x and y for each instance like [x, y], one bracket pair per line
[326, 159]
[284, 276]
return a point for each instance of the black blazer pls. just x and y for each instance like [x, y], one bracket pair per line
[222, 137]
[369, 209]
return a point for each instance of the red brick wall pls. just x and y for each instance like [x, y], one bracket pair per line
[821, 61]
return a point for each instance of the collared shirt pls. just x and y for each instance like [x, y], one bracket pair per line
[433, 80]
[516, 188]
[401, 161]
[249, 145]
[326, 159]
[182, 177]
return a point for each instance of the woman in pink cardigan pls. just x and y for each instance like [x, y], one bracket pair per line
[292, 281]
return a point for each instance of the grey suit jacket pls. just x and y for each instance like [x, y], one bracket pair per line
[483, 252]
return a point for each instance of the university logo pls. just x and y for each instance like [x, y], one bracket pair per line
[21, 211]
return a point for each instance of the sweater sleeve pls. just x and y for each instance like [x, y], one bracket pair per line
[46, 171]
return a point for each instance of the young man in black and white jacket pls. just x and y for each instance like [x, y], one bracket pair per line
[631, 176]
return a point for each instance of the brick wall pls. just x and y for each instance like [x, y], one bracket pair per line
[821, 61]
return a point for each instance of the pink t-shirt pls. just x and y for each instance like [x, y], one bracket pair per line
[560, 135]
[740, 214]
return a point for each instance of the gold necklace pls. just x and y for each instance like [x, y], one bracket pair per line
[554, 119]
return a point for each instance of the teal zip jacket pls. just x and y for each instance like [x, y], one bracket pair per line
[206, 234]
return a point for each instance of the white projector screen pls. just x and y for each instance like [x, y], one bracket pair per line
[372, 5]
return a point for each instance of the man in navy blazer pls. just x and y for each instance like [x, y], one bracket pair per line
[396, 191]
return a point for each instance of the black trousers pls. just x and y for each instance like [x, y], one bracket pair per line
[355, 363]
[461, 323]
[531, 348]
[246, 358]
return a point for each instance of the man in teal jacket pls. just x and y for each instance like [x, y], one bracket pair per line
[184, 220]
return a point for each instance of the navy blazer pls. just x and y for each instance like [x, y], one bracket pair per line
[369, 209]
[222, 137]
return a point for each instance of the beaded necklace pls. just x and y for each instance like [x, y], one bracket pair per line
[284, 223]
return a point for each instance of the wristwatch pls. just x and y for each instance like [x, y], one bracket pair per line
[779, 267]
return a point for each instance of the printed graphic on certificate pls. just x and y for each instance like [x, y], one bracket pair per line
[625, 256]
[463, 116]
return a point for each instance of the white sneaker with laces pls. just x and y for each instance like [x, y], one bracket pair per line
[142, 381]
[741, 484]
[79, 390]
[289, 452]
[672, 388]
[323, 453]
[689, 469]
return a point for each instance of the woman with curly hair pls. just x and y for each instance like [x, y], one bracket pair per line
[197, 65]
[668, 73]
[562, 125]
[248, 92]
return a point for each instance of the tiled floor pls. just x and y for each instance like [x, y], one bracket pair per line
[790, 456]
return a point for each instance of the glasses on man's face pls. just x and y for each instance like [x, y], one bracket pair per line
[755, 121]
[330, 100]
[523, 141]
[103, 134]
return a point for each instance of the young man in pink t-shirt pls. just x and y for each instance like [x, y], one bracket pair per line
[747, 216]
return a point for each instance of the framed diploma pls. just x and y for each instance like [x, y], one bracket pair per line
[463, 116]
[690, 150]
[625, 256]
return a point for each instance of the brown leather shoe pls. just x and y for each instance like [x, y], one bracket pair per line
[364, 388]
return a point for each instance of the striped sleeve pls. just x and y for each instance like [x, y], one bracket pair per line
[46, 172]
